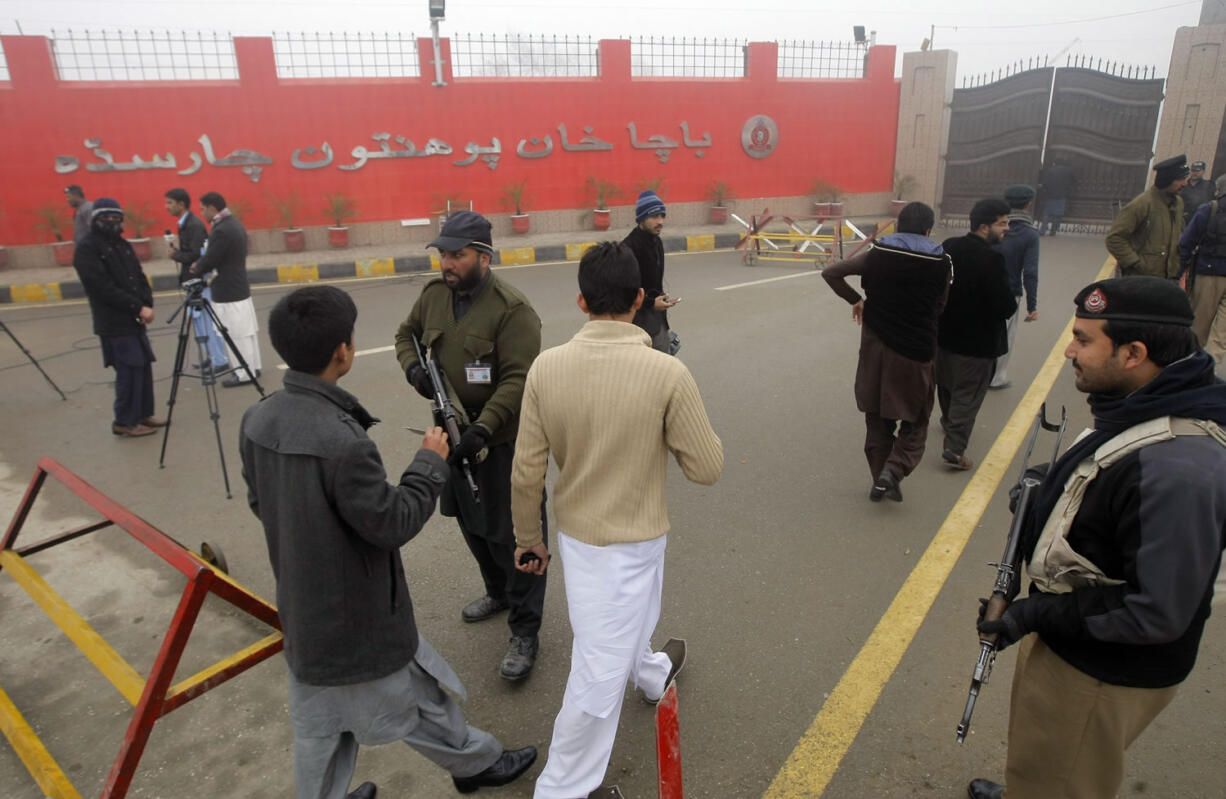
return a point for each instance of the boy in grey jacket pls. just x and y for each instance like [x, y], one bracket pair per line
[358, 671]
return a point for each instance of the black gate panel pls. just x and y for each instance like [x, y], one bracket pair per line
[995, 138]
[1102, 126]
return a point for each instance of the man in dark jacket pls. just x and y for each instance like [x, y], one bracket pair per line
[905, 277]
[1020, 246]
[1055, 182]
[359, 673]
[1198, 191]
[1204, 242]
[226, 254]
[484, 335]
[121, 302]
[185, 248]
[1122, 544]
[971, 333]
[644, 241]
[1144, 236]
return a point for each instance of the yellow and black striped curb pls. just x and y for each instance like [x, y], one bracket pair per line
[365, 267]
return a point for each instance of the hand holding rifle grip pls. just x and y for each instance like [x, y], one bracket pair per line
[446, 413]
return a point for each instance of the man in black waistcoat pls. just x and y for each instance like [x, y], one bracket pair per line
[971, 334]
[121, 302]
[905, 276]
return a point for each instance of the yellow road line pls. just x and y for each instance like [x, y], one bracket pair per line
[92, 645]
[821, 749]
[38, 761]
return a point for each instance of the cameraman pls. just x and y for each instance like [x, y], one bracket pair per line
[226, 254]
[185, 248]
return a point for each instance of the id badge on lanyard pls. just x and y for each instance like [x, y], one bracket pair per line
[478, 374]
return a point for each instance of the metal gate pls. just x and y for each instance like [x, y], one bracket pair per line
[1101, 123]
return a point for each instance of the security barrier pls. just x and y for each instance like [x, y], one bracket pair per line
[823, 242]
[154, 696]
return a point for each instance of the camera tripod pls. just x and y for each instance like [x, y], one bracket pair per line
[37, 365]
[196, 301]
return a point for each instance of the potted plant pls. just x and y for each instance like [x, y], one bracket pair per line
[49, 219]
[139, 219]
[513, 197]
[826, 198]
[340, 208]
[903, 184]
[719, 194]
[240, 208]
[286, 208]
[601, 191]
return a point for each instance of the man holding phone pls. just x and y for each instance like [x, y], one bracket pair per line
[644, 241]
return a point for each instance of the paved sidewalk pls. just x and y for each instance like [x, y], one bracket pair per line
[52, 284]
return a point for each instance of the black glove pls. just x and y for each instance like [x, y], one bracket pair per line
[1039, 612]
[419, 380]
[472, 441]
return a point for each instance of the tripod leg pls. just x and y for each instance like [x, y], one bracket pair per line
[180, 352]
[210, 393]
[37, 365]
[225, 334]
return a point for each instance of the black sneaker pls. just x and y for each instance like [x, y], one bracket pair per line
[520, 657]
[985, 789]
[886, 485]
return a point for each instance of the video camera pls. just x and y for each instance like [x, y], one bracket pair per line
[194, 287]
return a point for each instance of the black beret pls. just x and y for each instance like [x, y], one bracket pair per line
[1135, 299]
[1019, 194]
[1170, 170]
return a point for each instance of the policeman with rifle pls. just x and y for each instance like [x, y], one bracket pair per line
[1121, 543]
[482, 335]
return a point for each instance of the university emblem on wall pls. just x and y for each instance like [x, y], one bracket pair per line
[759, 136]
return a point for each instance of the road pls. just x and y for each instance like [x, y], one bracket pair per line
[777, 575]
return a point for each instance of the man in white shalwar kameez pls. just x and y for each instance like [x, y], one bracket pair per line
[610, 409]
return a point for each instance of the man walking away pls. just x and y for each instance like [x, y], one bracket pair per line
[1144, 238]
[226, 254]
[644, 241]
[1020, 246]
[905, 277]
[610, 410]
[1203, 248]
[359, 673]
[1055, 183]
[971, 333]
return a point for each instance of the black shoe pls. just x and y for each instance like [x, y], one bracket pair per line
[520, 657]
[366, 790]
[985, 789]
[234, 381]
[483, 608]
[511, 764]
[675, 649]
[886, 485]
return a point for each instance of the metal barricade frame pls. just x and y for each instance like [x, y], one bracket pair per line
[154, 696]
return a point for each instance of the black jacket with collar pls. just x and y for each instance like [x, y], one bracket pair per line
[334, 528]
[191, 240]
[114, 282]
[980, 300]
[648, 249]
[226, 255]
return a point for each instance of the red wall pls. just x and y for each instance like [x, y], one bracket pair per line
[842, 131]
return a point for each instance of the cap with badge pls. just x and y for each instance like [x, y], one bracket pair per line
[1135, 299]
[1170, 170]
[1198, 166]
[105, 205]
[464, 229]
[1018, 195]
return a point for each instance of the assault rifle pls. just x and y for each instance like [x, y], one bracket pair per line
[1008, 581]
[445, 411]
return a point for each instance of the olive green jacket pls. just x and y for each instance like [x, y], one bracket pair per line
[500, 330]
[1144, 238]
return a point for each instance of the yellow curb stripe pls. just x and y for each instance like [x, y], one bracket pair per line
[518, 255]
[575, 251]
[700, 243]
[35, 292]
[821, 749]
[435, 263]
[371, 267]
[297, 273]
[38, 761]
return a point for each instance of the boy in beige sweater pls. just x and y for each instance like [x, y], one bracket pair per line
[610, 409]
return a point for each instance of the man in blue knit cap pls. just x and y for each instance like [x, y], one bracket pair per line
[644, 241]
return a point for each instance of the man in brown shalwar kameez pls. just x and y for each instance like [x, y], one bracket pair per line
[905, 277]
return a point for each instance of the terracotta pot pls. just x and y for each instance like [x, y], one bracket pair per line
[338, 236]
[143, 249]
[4, 258]
[834, 209]
[295, 240]
[63, 252]
[600, 218]
[896, 207]
[519, 223]
[821, 209]
[719, 214]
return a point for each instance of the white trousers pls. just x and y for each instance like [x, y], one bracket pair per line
[613, 596]
[999, 378]
[241, 323]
